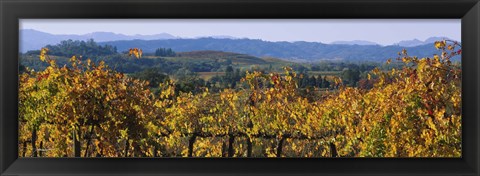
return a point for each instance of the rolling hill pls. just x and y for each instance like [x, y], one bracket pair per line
[290, 51]
[235, 58]
[195, 61]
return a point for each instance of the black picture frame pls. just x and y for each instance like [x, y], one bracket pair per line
[12, 10]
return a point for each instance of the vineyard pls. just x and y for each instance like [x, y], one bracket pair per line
[86, 109]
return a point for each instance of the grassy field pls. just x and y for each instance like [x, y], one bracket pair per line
[206, 59]
[207, 75]
[325, 73]
[329, 74]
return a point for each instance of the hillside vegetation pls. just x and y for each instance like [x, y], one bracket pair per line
[291, 51]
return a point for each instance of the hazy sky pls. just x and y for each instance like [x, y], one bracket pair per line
[382, 31]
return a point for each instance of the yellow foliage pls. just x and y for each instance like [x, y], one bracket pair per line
[410, 112]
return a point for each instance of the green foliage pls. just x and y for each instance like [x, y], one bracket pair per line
[68, 48]
[350, 77]
[165, 52]
[153, 75]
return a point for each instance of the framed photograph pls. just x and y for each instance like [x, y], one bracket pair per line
[239, 87]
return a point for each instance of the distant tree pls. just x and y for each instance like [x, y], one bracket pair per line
[237, 75]
[319, 81]
[188, 81]
[226, 79]
[153, 75]
[165, 52]
[208, 84]
[303, 82]
[229, 72]
[299, 68]
[350, 77]
[325, 82]
[69, 48]
[366, 67]
[312, 81]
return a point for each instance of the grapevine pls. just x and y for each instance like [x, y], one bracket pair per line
[86, 109]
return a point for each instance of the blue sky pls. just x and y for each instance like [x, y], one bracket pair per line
[382, 31]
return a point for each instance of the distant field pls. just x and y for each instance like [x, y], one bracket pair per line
[219, 56]
[325, 73]
[208, 75]
[329, 74]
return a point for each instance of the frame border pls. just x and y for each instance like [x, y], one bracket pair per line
[12, 10]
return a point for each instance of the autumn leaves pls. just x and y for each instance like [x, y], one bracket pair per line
[411, 112]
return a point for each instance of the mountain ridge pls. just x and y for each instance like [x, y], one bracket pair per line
[290, 51]
[417, 42]
[31, 39]
[298, 51]
[354, 42]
